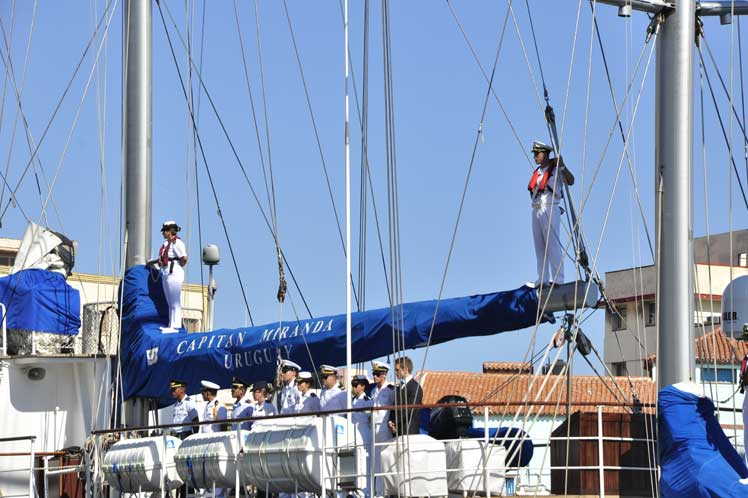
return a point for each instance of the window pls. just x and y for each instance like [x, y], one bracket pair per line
[619, 319]
[650, 314]
[710, 374]
[7, 258]
[729, 316]
[619, 369]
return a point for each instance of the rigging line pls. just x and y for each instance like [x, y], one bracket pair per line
[370, 182]
[521, 40]
[314, 123]
[629, 163]
[471, 164]
[205, 162]
[252, 105]
[537, 51]
[363, 201]
[485, 77]
[742, 93]
[23, 85]
[7, 75]
[77, 112]
[57, 106]
[722, 126]
[317, 139]
[236, 156]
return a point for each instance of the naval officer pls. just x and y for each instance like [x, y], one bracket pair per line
[332, 396]
[213, 410]
[241, 407]
[184, 409]
[308, 401]
[288, 395]
[261, 407]
[172, 257]
[546, 192]
[382, 393]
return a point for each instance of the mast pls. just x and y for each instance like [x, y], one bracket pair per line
[673, 164]
[136, 125]
[348, 283]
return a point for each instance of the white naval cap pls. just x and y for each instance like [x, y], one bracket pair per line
[327, 370]
[305, 376]
[537, 145]
[169, 224]
[379, 366]
[290, 364]
[209, 385]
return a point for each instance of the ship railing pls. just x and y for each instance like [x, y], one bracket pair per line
[331, 479]
[31, 455]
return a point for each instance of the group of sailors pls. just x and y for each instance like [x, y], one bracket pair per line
[295, 395]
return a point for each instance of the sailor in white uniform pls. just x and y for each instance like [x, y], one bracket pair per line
[261, 407]
[288, 395]
[172, 257]
[332, 396]
[185, 409]
[362, 420]
[382, 393]
[546, 192]
[308, 401]
[241, 407]
[213, 410]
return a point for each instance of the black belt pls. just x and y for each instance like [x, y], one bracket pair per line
[171, 264]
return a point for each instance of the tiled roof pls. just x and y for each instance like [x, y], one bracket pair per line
[715, 347]
[507, 367]
[477, 387]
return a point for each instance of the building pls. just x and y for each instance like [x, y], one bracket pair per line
[100, 291]
[630, 331]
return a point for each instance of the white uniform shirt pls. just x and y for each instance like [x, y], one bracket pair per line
[362, 420]
[176, 250]
[184, 411]
[289, 397]
[213, 410]
[242, 409]
[382, 396]
[544, 198]
[308, 402]
[264, 409]
[333, 399]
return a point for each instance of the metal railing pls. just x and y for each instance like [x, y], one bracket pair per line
[29, 469]
[332, 476]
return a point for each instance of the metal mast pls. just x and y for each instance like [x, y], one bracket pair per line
[347, 153]
[136, 124]
[673, 166]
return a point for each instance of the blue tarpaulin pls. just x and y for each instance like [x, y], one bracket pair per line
[150, 358]
[42, 301]
[696, 458]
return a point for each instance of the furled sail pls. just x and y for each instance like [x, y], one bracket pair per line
[150, 358]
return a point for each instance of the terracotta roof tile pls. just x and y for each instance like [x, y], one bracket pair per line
[477, 387]
[716, 347]
[507, 367]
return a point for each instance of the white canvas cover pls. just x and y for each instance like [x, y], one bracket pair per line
[415, 465]
[38, 251]
[467, 472]
[135, 465]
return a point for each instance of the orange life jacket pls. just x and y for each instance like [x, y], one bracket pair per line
[539, 180]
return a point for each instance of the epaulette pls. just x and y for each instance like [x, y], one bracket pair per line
[312, 395]
[390, 386]
[367, 397]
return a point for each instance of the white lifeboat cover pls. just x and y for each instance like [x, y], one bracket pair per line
[415, 465]
[467, 473]
[209, 458]
[134, 465]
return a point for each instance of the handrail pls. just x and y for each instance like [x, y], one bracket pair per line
[363, 409]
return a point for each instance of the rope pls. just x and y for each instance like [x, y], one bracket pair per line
[205, 162]
[55, 110]
[236, 155]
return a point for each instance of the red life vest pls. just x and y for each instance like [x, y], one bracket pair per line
[539, 180]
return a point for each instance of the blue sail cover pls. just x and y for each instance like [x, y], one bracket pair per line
[150, 358]
[42, 301]
[696, 458]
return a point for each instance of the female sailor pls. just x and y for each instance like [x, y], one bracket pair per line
[172, 257]
[362, 420]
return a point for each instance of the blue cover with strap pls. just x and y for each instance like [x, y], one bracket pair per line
[150, 358]
[696, 458]
[42, 301]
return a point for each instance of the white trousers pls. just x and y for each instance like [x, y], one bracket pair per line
[172, 283]
[543, 216]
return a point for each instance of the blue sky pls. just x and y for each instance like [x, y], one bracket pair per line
[438, 94]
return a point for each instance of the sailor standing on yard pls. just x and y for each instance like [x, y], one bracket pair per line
[546, 192]
[172, 257]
